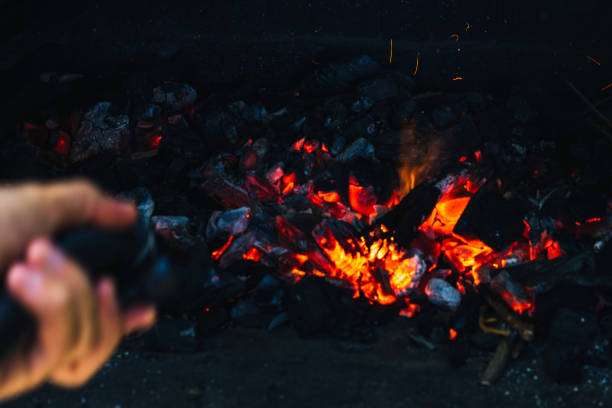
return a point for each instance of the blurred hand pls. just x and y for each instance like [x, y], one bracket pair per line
[79, 325]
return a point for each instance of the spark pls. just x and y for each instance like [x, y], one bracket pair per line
[459, 78]
[391, 53]
[593, 60]
[605, 88]
[416, 68]
[455, 36]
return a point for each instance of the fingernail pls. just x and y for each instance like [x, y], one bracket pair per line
[24, 278]
[55, 259]
[105, 288]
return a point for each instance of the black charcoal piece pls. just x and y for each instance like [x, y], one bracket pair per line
[406, 218]
[494, 220]
[379, 89]
[176, 231]
[100, 132]
[403, 113]
[340, 77]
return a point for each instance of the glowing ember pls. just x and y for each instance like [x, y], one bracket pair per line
[253, 254]
[373, 265]
[219, 252]
[452, 334]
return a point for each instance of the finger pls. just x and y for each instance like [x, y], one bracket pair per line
[43, 255]
[49, 302]
[109, 317]
[138, 318]
[24, 371]
[79, 202]
[33, 210]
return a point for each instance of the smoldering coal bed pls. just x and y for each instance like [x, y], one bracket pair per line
[352, 200]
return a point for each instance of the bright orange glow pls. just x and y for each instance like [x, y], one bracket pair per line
[331, 197]
[288, 183]
[373, 265]
[252, 254]
[410, 310]
[297, 146]
[416, 68]
[458, 78]
[155, 143]
[310, 146]
[391, 52]
[446, 214]
[592, 220]
[361, 199]
[452, 334]
[478, 155]
[219, 252]
[324, 148]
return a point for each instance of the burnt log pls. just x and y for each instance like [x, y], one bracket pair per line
[492, 219]
[406, 218]
[546, 275]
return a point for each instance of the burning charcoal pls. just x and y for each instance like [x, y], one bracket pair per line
[228, 194]
[511, 292]
[233, 222]
[379, 89]
[443, 117]
[572, 333]
[443, 294]
[175, 97]
[359, 149]
[403, 113]
[336, 78]
[409, 214]
[237, 248]
[175, 229]
[143, 200]
[492, 219]
[100, 132]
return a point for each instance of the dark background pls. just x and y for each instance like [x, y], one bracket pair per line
[226, 41]
[227, 44]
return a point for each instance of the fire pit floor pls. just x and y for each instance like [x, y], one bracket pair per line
[285, 370]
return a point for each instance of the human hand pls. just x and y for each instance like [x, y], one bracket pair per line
[79, 326]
